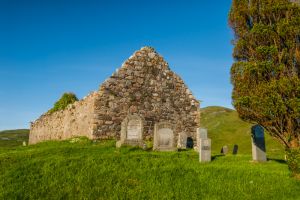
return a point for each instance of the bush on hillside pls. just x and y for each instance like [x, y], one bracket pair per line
[63, 102]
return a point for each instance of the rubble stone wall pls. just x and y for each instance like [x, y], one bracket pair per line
[76, 120]
[145, 85]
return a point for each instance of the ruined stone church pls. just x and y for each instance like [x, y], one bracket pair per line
[142, 101]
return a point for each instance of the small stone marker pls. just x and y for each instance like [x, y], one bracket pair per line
[235, 149]
[24, 144]
[204, 145]
[258, 144]
[224, 150]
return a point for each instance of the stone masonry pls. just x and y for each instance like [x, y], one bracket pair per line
[143, 86]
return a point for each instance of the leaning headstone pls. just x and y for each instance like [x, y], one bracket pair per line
[258, 144]
[205, 150]
[235, 149]
[224, 150]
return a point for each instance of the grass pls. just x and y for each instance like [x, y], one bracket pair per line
[89, 170]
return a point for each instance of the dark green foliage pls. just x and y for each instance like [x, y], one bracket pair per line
[63, 102]
[266, 71]
[97, 170]
[293, 160]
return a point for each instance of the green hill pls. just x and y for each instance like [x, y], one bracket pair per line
[226, 128]
[13, 138]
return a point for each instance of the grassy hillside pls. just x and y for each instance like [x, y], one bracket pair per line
[13, 138]
[87, 170]
[225, 128]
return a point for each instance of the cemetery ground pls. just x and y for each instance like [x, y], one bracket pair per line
[83, 169]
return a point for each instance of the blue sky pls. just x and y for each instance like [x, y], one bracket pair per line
[55, 46]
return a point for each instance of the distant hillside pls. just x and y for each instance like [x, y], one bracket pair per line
[12, 138]
[226, 128]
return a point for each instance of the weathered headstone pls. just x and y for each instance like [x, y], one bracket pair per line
[205, 150]
[224, 150]
[182, 141]
[258, 144]
[235, 149]
[24, 144]
[163, 137]
[131, 131]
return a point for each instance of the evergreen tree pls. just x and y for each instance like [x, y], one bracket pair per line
[266, 71]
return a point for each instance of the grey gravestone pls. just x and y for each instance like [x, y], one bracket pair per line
[258, 144]
[182, 141]
[201, 134]
[224, 150]
[205, 150]
[163, 137]
[235, 149]
[131, 131]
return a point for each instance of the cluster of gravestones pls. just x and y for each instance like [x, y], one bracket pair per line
[225, 150]
[164, 140]
[258, 145]
[132, 129]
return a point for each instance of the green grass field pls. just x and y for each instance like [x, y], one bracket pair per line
[87, 170]
[97, 170]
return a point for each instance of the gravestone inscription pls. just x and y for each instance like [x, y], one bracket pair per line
[163, 137]
[258, 144]
[205, 150]
[131, 131]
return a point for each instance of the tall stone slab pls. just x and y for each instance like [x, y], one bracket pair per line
[258, 144]
[201, 134]
[205, 150]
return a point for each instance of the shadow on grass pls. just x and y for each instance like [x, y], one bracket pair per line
[216, 156]
[281, 161]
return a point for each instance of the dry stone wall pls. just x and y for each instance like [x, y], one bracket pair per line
[76, 120]
[143, 86]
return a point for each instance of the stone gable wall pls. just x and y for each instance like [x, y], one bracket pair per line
[76, 120]
[145, 86]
